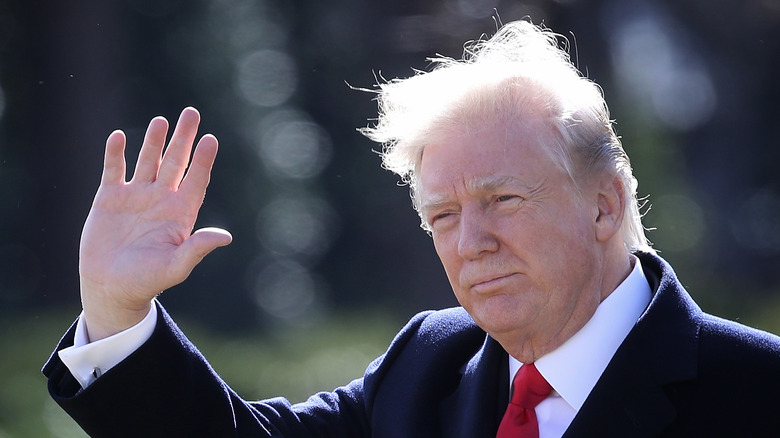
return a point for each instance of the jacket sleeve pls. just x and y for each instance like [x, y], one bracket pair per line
[167, 388]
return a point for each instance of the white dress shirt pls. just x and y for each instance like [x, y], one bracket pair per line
[88, 360]
[574, 368]
[590, 349]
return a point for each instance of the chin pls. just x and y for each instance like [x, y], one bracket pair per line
[497, 317]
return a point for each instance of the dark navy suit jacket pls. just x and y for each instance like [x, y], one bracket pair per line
[679, 373]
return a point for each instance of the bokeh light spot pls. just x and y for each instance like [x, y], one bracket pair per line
[292, 146]
[658, 68]
[476, 8]
[757, 224]
[297, 226]
[247, 25]
[286, 290]
[686, 101]
[267, 78]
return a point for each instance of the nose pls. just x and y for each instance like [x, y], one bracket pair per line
[476, 236]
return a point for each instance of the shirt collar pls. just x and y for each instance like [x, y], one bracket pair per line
[593, 346]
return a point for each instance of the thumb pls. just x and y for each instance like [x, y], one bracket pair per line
[198, 246]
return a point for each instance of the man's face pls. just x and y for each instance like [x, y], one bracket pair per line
[516, 241]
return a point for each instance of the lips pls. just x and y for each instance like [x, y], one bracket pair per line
[488, 281]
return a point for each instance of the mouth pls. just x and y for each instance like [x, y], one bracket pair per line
[487, 284]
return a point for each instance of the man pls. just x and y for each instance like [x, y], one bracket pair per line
[528, 195]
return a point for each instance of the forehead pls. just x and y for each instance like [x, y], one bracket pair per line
[478, 158]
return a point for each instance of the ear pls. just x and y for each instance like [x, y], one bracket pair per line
[611, 202]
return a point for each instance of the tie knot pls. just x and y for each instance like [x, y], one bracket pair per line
[529, 388]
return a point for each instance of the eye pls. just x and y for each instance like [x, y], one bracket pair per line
[507, 203]
[441, 216]
[441, 220]
[504, 198]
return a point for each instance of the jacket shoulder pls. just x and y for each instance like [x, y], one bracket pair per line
[431, 344]
[442, 325]
[732, 341]
[430, 335]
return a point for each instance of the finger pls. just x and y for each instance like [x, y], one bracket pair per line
[195, 248]
[114, 159]
[177, 155]
[193, 187]
[151, 151]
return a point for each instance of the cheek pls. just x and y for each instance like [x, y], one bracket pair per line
[448, 255]
[570, 227]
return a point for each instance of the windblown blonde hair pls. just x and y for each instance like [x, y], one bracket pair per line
[522, 71]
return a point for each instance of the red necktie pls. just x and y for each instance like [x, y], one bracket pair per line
[528, 390]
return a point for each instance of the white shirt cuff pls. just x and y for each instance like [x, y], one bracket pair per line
[88, 360]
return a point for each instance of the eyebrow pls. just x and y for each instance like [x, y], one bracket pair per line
[493, 182]
[477, 185]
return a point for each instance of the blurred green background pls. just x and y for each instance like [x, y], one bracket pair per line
[328, 259]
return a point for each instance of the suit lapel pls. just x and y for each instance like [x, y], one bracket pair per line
[475, 408]
[629, 400]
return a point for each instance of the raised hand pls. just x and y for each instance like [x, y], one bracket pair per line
[138, 240]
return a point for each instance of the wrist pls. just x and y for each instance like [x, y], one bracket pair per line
[105, 315]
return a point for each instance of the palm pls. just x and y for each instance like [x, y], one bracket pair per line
[132, 234]
[137, 239]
